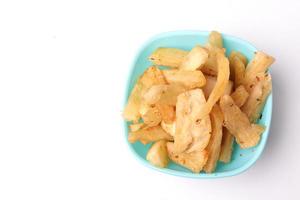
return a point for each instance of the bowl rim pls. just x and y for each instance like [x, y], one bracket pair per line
[201, 175]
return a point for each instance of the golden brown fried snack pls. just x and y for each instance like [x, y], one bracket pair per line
[227, 138]
[210, 84]
[136, 127]
[267, 88]
[226, 146]
[214, 146]
[211, 65]
[163, 94]
[214, 46]
[162, 98]
[194, 161]
[201, 135]
[167, 112]
[237, 70]
[170, 57]
[239, 55]
[158, 154]
[149, 134]
[247, 135]
[153, 94]
[169, 96]
[195, 58]
[132, 109]
[152, 76]
[169, 127]
[259, 64]
[240, 96]
[152, 117]
[220, 86]
[188, 79]
[189, 127]
[215, 39]
[258, 94]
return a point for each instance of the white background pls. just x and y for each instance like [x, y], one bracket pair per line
[63, 69]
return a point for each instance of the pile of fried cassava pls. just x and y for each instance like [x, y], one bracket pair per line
[194, 107]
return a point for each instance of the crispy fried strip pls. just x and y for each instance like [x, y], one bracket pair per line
[152, 117]
[152, 76]
[163, 94]
[240, 95]
[226, 146]
[194, 161]
[158, 154]
[169, 127]
[247, 135]
[189, 79]
[227, 138]
[259, 64]
[239, 55]
[132, 109]
[237, 70]
[169, 96]
[170, 57]
[267, 88]
[189, 127]
[211, 65]
[222, 81]
[167, 112]
[200, 134]
[258, 93]
[153, 94]
[149, 134]
[214, 46]
[214, 146]
[160, 101]
[195, 58]
[136, 127]
[215, 39]
[210, 84]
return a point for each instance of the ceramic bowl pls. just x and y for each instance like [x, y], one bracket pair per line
[242, 159]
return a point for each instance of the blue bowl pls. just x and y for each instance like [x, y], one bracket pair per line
[242, 159]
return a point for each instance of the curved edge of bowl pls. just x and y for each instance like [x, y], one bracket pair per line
[237, 171]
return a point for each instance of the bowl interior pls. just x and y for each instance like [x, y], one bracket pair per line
[241, 158]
